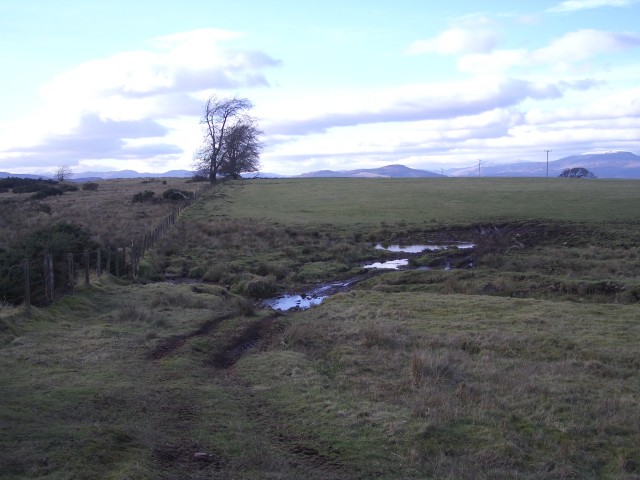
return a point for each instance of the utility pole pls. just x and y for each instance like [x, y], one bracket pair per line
[548, 161]
[479, 161]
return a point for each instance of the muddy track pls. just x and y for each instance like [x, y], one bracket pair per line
[243, 342]
[169, 345]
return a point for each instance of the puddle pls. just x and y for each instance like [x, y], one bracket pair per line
[304, 301]
[316, 296]
[423, 248]
[390, 265]
[288, 302]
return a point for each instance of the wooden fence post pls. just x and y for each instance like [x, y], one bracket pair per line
[86, 267]
[108, 259]
[124, 260]
[99, 264]
[48, 278]
[27, 286]
[72, 274]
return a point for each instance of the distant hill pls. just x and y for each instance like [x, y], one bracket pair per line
[603, 165]
[87, 176]
[390, 171]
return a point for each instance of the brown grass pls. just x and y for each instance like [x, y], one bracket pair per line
[108, 212]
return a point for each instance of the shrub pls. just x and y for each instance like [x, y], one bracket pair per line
[67, 187]
[142, 197]
[46, 192]
[198, 178]
[174, 194]
[90, 186]
[31, 185]
[576, 172]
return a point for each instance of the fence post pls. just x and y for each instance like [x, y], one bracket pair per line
[98, 264]
[108, 259]
[72, 275]
[117, 263]
[48, 277]
[27, 287]
[86, 267]
[124, 260]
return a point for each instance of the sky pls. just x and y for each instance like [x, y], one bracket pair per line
[335, 84]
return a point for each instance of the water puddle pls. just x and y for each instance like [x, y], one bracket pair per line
[423, 248]
[304, 301]
[316, 296]
[390, 265]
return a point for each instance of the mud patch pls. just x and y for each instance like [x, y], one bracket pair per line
[242, 343]
[171, 344]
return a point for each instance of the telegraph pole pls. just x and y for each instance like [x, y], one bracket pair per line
[548, 161]
[479, 166]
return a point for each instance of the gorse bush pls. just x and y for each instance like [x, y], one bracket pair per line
[24, 185]
[46, 192]
[175, 194]
[141, 197]
[67, 187]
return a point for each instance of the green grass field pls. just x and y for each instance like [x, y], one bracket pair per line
[524, 366]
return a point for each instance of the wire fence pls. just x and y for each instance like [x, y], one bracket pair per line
[40, 281]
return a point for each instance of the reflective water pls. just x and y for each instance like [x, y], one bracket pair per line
[390, 265]
[306, 300]
[422, 248]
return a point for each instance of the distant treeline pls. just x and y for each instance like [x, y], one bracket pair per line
[39, 187]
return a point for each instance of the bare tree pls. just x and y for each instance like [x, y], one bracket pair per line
[242, 148]
[63, 173]
[220, 116]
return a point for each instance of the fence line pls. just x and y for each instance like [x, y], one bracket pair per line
[44, 280]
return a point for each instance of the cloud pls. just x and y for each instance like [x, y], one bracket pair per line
[115, 107]
[96, 138]
[186, 62]
[457, 41]
[432, 102]
[584, 44]
[575, 5]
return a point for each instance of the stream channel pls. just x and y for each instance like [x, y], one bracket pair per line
[316, 295]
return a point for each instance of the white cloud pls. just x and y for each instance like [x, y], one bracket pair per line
[585, 44]
[165, 81]
[574, 5]
[457, 41]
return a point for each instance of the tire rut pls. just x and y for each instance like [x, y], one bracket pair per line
[171, 344]
[246, 340]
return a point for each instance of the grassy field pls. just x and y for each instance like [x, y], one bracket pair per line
[524, 366]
